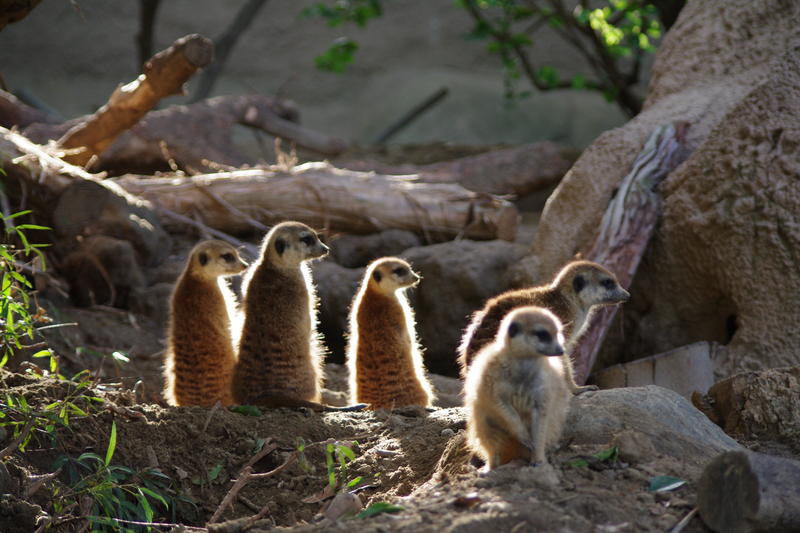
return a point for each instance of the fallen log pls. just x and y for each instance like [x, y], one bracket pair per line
[627, 226]
[742, 491]
[519, 170]
[330, 198]
[164, 75]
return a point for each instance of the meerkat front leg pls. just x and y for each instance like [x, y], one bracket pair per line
[539, 422]
[516, 427]
[569, 376]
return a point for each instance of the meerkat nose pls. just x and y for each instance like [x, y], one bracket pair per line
[624, 295]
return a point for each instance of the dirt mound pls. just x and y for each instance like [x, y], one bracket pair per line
[723, 264]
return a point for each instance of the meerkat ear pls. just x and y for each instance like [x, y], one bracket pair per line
[280, 246]
[203, 258]
[513, 330]
[578, 283]
[376, 275]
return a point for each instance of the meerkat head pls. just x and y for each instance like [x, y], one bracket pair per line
[532, 331]
[389, 274]
[291, 243]
[216, 258]
[590, 284]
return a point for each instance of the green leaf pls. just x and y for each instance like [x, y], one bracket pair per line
[156, 496]
[347, 452]
[148, 511]
[378, 508]
[112, 443]
[665, 483]
[247, 410]
[355, 481]
[213, 474]
[340, 54]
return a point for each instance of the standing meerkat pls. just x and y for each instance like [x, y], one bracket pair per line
[575, 292]
[200, 357]
[515, 392]
[383, 354]
[280, 353]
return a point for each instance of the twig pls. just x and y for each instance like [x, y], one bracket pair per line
[11, 448]
[268, 448]
[160, 524]
[277, 470]
[684, 522]
[252, 249]
[214, 409]
[411, 115]
[36, 482]
[244, 500]
[256, 517]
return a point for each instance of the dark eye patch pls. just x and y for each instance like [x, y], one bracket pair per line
[543, 335]
[203, 258]
[308, 240]
[400, 271]
[376, 275]
[578, 283]
[513, 330]
[228, 258]
[280, 246]
[608, 284]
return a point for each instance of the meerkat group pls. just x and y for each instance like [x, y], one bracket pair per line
[514, 355]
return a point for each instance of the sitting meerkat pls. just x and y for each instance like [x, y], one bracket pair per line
[383, 355]
[516, 396]
[199, 359]
[578, 289]
[280, 352]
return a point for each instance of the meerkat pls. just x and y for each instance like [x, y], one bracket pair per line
[515, 392]
[383, 354]
[280, 352]
[577, 290]
[200, 357]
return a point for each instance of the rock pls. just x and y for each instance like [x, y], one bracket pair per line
[765, 405]
[723, 265]
[355, 251]
[685, 370]
[668, 421]
[336, 287]
[92, 208]
[457, 279]
[102, 270]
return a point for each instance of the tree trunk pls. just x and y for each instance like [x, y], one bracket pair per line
[330, 198]
[742, 491]
[627, 226]
[164, 75]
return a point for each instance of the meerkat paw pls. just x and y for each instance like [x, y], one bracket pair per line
[584, 388]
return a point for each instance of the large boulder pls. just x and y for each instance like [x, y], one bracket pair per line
[723, 265]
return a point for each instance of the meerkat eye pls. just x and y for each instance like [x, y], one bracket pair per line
[308, 240]
[513, 330]
[543, 335]
[608, 284]
[400, 271]
[377, 276]
[228, 258]
[203, 258]
[280, 246]
[578, 283]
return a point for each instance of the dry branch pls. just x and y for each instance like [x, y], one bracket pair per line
[326, 197]
[627, 226]
[164, 75]
[520, 170]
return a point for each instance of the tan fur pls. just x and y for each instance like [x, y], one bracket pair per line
[280, 353]
[572, 308]
[383, 354]
[515, 392]
[200, 358]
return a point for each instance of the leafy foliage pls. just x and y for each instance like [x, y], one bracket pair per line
[16, 320]
[115, 491]
[611, 35]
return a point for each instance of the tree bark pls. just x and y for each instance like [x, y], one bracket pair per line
[330, 198]
[164, 75]
[627, 226]
[742, 491]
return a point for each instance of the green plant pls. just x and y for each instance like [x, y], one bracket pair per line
[117, 493]
[16, 320]
[27, 422]
[612, 37]
[338, 456]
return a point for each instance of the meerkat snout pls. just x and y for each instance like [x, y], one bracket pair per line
[544, 337]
